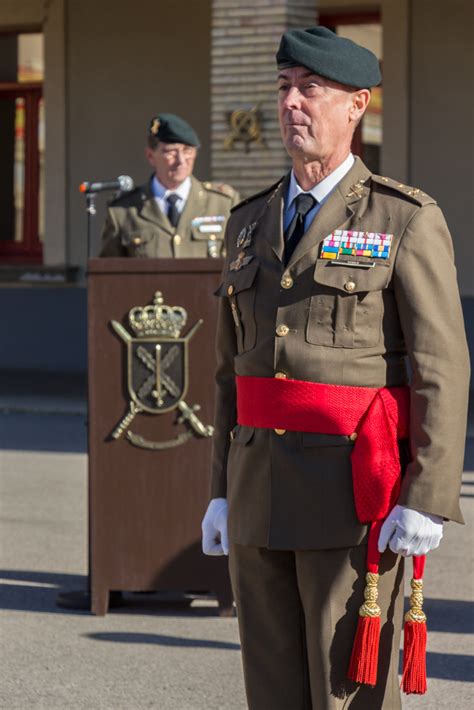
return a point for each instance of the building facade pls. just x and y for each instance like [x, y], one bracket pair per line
[100, 70]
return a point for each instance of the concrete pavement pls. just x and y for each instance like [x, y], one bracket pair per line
[139, 657]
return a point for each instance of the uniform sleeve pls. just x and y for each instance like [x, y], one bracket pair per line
[225, 405]
[111, 244]
[431, 318]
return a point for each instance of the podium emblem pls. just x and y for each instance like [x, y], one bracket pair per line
[157, 370]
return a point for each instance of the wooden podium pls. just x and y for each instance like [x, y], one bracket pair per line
[146, 504]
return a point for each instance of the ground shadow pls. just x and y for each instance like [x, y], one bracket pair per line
[36, 597]
[162, 640]
[56, 578]
[450, 615]
[447, 666]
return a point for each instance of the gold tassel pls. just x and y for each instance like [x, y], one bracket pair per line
[414, 646]
[365, 652]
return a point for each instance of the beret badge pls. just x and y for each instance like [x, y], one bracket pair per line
[155, 126]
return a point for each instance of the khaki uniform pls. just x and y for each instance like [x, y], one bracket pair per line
[136, 226]
[335, 324]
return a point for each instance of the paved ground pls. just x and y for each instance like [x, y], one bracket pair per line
[138, 658]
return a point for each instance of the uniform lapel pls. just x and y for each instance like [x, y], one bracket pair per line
[271, 220]
[336, 211]
[150, 210]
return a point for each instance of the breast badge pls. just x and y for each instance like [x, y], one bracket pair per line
[347, 243]
[157, 371]
[244, 239]
[242, 260]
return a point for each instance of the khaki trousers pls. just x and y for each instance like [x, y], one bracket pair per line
[298, 612]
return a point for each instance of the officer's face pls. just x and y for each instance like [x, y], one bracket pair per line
[317, 116]
[172, 162]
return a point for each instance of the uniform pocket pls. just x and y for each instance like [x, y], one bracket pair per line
[310, 439]
[211, 240]
[346, 307]
[242, 435]
[240, 289]
[139, 243]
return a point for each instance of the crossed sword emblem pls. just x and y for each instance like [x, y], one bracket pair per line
[158, 383]
[165, 382]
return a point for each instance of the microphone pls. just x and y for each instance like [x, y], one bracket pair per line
[123, 183]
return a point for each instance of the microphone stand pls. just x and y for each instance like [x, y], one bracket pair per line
[91, 212]
[81, 599]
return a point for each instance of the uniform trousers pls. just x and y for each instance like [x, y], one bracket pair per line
[298, 613]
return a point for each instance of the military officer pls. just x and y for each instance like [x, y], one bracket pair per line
[333, 278]
[174, 214]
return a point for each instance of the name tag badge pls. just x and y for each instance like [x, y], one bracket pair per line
[209, 223]
[357, 264]
[210, 228]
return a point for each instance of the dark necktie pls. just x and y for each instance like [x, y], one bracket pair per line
[173, 214]
[303, 203]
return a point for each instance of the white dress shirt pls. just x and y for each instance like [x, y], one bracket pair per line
[161, 193]
[320, 192]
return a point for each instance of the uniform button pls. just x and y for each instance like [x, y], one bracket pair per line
[349, 286]
[137, 240]
[280, 375]
[282, 330]
[177, 239]
[353, 436]
[280, 432]
[230, 290]
[286, 282]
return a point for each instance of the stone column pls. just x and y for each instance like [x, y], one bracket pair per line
[245, 38]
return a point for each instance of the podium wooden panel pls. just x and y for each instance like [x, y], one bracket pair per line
[146, 506]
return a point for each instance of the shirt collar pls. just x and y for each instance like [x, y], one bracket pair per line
[160, 191]
[323, 188]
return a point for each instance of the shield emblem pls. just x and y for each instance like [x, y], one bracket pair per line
[157, 372]
[157, 369]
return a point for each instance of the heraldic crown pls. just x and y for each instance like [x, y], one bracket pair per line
[158, 319]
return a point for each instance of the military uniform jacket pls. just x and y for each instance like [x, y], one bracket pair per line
[346, 324]
[136, 226]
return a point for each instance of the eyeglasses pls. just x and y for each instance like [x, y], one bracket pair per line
[185, 152]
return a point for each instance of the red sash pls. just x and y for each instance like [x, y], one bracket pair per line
[375, 417]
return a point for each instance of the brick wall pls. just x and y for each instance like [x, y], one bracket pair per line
[245, 38]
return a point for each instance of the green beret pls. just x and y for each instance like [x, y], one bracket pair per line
[169, 128]
[331, 56]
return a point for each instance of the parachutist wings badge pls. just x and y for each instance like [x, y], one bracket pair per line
[157, 370]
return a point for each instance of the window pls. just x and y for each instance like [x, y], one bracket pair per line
[366, 30]
[21, 148]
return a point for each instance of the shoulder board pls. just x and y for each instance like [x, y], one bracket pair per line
[412, 193]
[127, 198]
[268, 191]
[221, 188]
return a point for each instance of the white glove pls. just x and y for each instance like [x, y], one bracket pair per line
[214, 528]
[408, 532]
